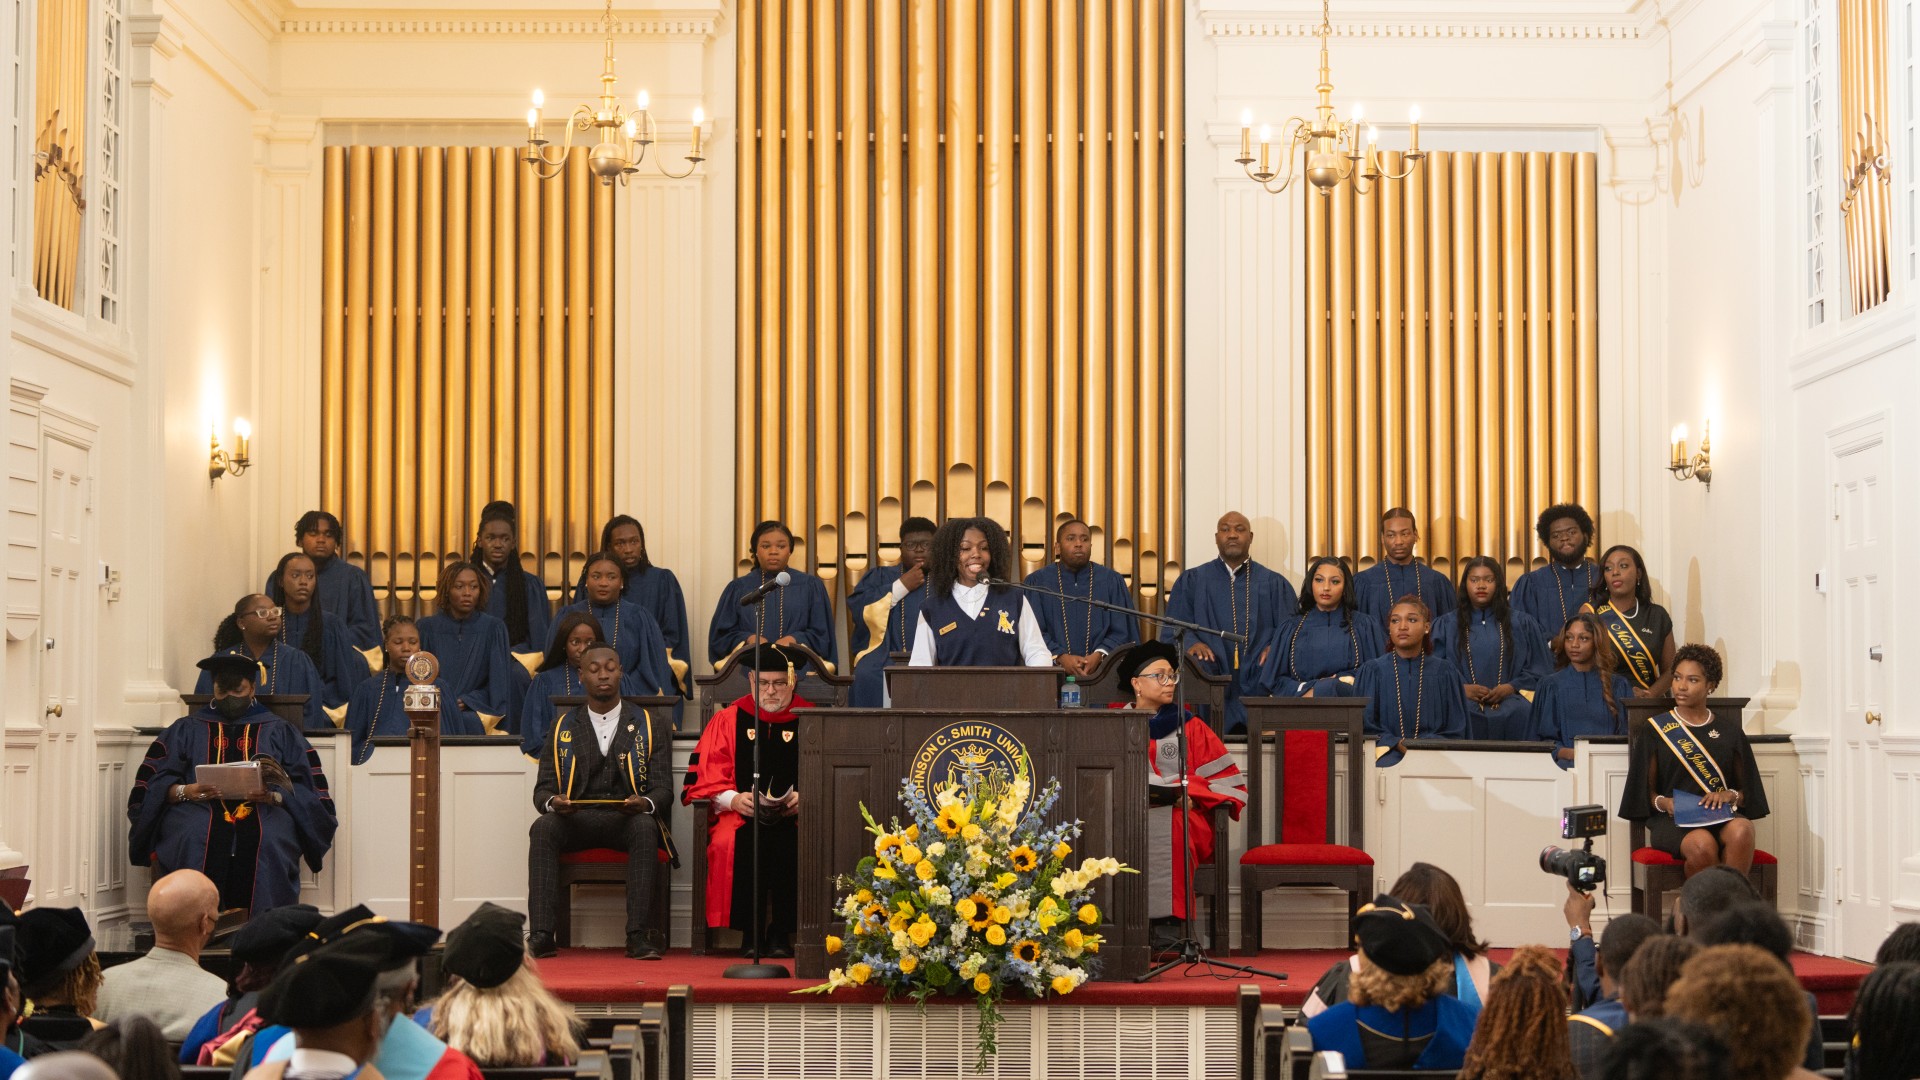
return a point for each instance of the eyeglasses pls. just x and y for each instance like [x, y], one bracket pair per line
[267, 612]
[1164, 678]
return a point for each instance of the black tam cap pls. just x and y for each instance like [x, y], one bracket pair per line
[1143, 654]
[486, 949]
[328, 986]
[232, 665]
[7, 921]
[49, 943]
[268, 936]
[765, 657]
[1398, 937]
[403, 941]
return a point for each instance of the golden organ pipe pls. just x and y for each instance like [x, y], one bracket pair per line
[480, 433]
[1537, 450]
[1565, 452]
[359, 269]
[1390, 434]
[1174, 278]
[999, 182]
[1366, 372]
[1125, 147]
[1418, 451]
[1586, 360]
[828, 354]
[795, 312]
[1065, 153]
[857, 280]
[520, 462]
[889, 258]
[380, 547]
[1511, 237]
[960, 371]
[1031, 395]
[774, 144]
[406, 350]
[923, 200]
[1341, 374]
[543, 467]
[460, 168]
[601, 391]
[1098, 260]
[1319, 414]
[435, 523]
[1144, 479]
[1471, 173]
[570, 400]
[750, 264]
[333, 326]
[1441, 412]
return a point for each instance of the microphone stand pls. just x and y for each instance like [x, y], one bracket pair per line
[1190, 954]
[754, 968]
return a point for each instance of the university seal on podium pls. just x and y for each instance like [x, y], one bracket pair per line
[970, 748]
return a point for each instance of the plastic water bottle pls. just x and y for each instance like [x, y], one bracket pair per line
[1070, 694]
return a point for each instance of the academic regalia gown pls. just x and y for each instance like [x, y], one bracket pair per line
[1212, 780]
[475, 663]
[283, 670]
[1076, 629]
[407, 1052]
[1569, 704]
[1446, 1023]
[341, 666]
[538, 712]
[1377, 588]
[1518, 656]
[656, 591]
[376, 711]
[539, 611]
[802, 609]
[346, 593]
[1410, 699]
[886, 626]
[1653, 768]
[723, 762]
[252, 851]
[1553, 593]
[1254, 601]
[636, 637]
[1320, 651]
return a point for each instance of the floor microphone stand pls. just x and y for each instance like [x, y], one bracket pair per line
[755, 969]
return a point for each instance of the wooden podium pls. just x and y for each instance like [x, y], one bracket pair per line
[851, 757]
[1034, 688]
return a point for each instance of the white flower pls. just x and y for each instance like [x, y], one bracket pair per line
[1062, 886]
[959, 932]
[901, 942]
[1021, 906]
[936, 849]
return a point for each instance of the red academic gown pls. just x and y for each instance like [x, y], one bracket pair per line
[713, 773]
[1212, 780]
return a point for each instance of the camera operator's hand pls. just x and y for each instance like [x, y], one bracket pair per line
[1579, 910]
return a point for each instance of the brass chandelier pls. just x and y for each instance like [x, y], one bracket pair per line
[621, 139]
[1330, 145]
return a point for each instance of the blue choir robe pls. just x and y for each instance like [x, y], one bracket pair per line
[657, 592]
[1315, 652]
[476, 663]
[1570, 704]
[802, 609]
[1448, 1020]
[888, 620]
[376, 709]
[1410, 699]
[1553, 593]
[1253, 601]
[636, 637]
[1487, 660]
[1376, 588]
[341, 666]
[283, 670]
[346, 593]
[254, 858]
[539, 611]
[1074, 629]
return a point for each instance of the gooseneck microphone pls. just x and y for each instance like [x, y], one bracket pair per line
[776, 581]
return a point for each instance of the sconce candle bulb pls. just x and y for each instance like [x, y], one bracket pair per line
[1697, 467]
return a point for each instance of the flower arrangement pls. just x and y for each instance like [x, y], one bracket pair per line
[973, 896]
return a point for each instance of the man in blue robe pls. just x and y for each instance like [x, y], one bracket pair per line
[887, 602]
[1553, 593]
[252, 847]
[345, 589]
[1236, 594]
[1400, 573]
[1430, 1031]
[1079, 634]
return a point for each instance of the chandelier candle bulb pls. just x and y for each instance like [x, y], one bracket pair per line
[699, 117]
[1266, 137]
[242, 438]
[1246, 136]
[1413, 129]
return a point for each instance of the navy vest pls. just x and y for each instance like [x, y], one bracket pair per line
[992, 640]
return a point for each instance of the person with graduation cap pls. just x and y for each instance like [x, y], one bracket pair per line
[332, 1003]
[889, 599]
[723, 774]
[345, 589]
[258, 947]
[306, 625]
[605, 781]
[253, 631]
[1236, 594]
[471, 645]
[1079, 634]
[376, 708]
[252, 848]
[1411, 694]
[59, 976]
[495, 1008]
[1398, 1015]
[800, 613]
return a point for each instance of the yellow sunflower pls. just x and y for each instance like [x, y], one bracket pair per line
[952, 819]
[982, 911]
[885, 844]
[874, 914]
[1027, 950]
[1023, 858]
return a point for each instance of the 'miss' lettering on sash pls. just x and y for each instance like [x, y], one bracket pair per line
[1692, 755]
[1640, 662]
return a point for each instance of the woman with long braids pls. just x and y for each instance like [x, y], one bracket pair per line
[1522, 1034]
[376, 708]
[1886, 1025]
[1585, 697]
[1318, 652]
[514, 596]
[1411, 694]
[313, 631]
[798, 614]
[1499, 649]
[973, 618]
[627, 626]
[654, 589]
[253, 631]
[559, 676]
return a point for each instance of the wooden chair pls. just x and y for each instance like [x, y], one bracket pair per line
[1206, 693]
[729, 682]
[606, 866]
[1328, 861]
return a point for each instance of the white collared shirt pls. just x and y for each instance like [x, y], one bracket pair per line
[306, 1064]
[972, 598]
[604, 726]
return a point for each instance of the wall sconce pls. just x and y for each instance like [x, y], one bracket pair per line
[1699, 466]
[221, 463]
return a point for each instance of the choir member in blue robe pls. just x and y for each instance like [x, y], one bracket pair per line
[1411, 694]
[251, 848]
[515, 597]
[1586, 696]
[1403, 955]
[1079, 633]
[628, 628]
[971, 620]
[253, 631]
[1501, 652]
[345, 590]
[306, 625]
[471, 646]
[1639, 632]
[655, 589]
[1236, 594]
[559, 677]
[887, 602]
[376, 708]
[800, 613]
[1318, 652]
[1552, 593]
[1378, 586]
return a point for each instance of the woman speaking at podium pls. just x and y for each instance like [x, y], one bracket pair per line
[975, 617]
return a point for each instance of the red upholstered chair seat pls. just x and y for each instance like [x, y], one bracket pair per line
[1306, 855]
[604, 856]
[1647, 856]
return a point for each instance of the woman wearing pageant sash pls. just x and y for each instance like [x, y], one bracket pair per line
[1639, 630]
[1690, 752]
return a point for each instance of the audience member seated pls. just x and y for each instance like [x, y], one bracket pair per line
[1707, 894]
[653, 589]
[251, 848]
[1665, 1050]
[799, 613]
[1398, 1014]
[1755, 923]
[1582, 954]
[1436, 890]
[65, 1065]
[306, 625]
[970, 621]
[888, 600]
[627, 627]
[253, 631]
[378, 708]
[1318, 651]
[345, 589]
[1640, 632]
[59, 978]
[515, 597]
[1585, 696]
[1522, 1031]
[472, 647]
[168, 986]
[10, 999]
[1886, 1025]
[339, 1006]
[1754, 1004]
[605, 776]
[496, 1010]
[1500, 652]
[134, 1049]
[1591, 1030]
[1399, 573]
[1654, 967]
[1552, 593]
[1901, 946]
[1233, 593]
[259, 948]
[558, 676]
[1411, 694]
[1080, 634]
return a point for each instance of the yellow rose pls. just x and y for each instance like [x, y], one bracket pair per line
[926, 870]
[971, 833]
[1062, 985]
[996, 934]
[833, 944]
[909, 855]
[907, 964]
[860, 973]
[1073, 939]
[1049, 904]
[1061, 850]
[982, 983]
[1002, 914]
[964, 909]
[1089, 914]
[912, 833]
[865, 896]
[922, 931]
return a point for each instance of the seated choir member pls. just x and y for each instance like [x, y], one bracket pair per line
[306, 626]
[1639, 631]
[559, 676]
[653, 588]
[376, 707]
[1500, 651]
[253, 631]
[515, 597]
[1236, 594]
[471, 645]
[1378, 586]
[1079, 634]
[888, 599]
[1689, 749]
[1318, 652]
[606, 775]
[1399, 1014]
[1411, 694]
[345, 590]
[251, 848]
[1555, 591]
[628, 628]
[724, 761]
[968, 622]
[1585, 696]
[801, 613]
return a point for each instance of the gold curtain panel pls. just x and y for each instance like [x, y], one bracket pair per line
[1866, 203]
[1452, 354]
[59, 147]
[960, 275]
[467, 355]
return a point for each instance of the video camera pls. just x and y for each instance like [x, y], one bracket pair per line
[1583, 869]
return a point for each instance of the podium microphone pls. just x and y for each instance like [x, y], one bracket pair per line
[776, 581]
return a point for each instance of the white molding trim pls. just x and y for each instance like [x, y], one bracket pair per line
[1231, 26]
[1888, 328]
[666, 25]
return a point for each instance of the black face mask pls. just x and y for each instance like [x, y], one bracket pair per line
[232, 707]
